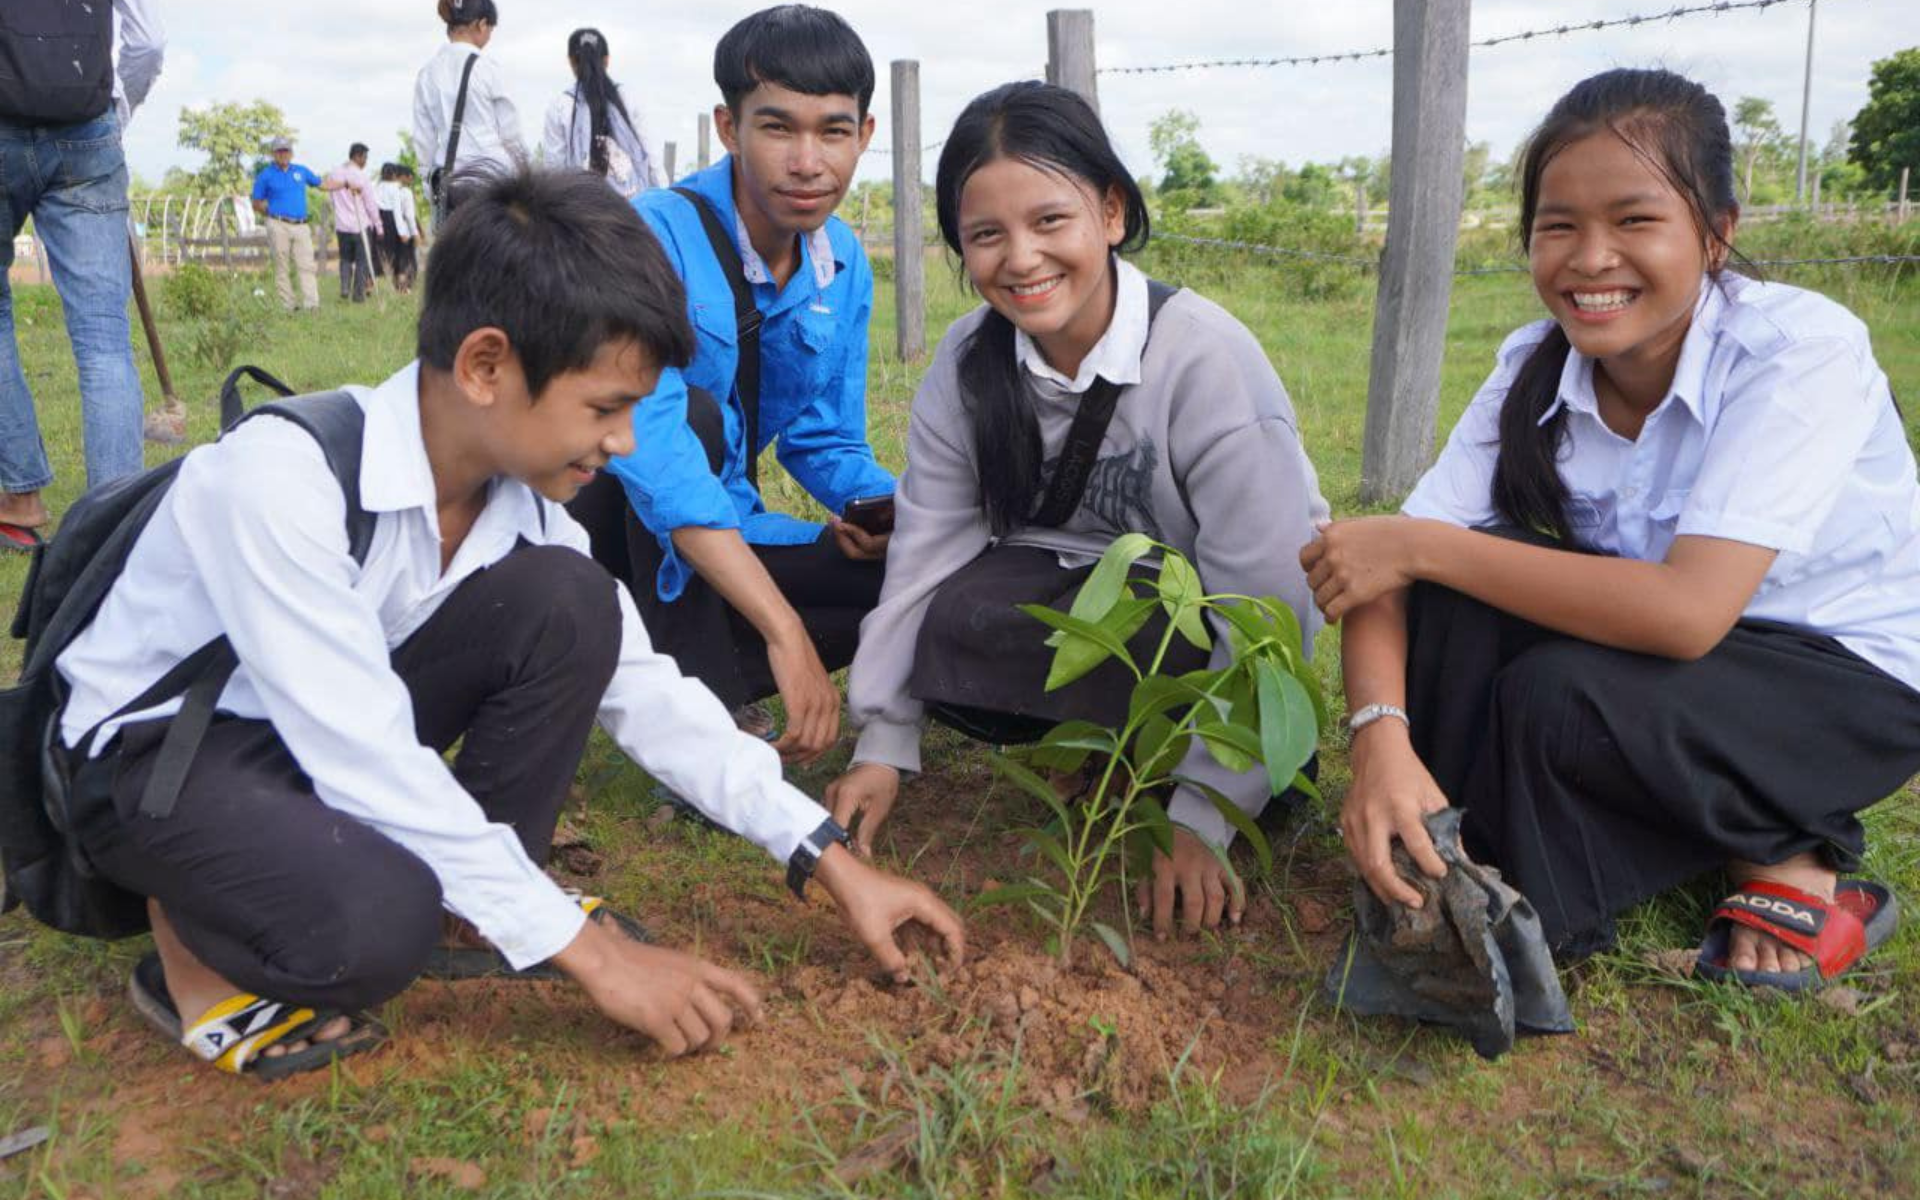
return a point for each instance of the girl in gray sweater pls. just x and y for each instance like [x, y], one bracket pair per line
[1202, 453]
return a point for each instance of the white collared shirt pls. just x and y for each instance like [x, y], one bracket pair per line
[1779, 431]
[143, 46]
[251, 542]
[1116, 356]
[817, 246]
[490, 127]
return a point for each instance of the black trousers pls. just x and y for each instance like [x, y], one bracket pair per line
[1595, 778]
[288, 898]
[397, 254]
[700, 631]
[356, 265]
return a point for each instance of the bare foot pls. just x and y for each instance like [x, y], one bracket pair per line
[195, 988]
[1749, 949]
[24, 509]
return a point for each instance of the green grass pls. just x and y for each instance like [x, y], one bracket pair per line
[1671, 1088]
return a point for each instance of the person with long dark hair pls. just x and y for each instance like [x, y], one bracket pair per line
[1202, 452]
[1653, 612]
[589, 125]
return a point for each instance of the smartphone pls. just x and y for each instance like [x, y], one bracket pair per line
[874, 514]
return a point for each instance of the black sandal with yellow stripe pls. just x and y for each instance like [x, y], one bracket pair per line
[233, 1034]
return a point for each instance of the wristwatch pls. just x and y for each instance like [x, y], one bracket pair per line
[806, 856]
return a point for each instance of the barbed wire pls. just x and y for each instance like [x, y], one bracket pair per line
[887, 151]
[1309, 60]
[1262, 249]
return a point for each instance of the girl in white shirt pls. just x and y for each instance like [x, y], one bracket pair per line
[489, 126]
[399, 226]
[1655, 611]
[589, 126]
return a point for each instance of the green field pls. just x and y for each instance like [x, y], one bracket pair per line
[960, 1087]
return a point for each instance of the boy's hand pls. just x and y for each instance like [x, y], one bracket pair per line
[685, 1004]
[811, 701]
[856, 543]
[1205, 889]
[875, 905]
[864, 794]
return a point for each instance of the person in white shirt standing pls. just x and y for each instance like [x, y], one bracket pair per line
[302, 872]
[463, 122]
[399, 225]
[590, 126]
[63, 104]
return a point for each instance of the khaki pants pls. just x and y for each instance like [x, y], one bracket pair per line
[284, 239]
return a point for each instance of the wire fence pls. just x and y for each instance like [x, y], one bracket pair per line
[1367, 264]
[1311, 60]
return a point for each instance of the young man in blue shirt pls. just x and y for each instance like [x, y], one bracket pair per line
[280, 195]
[750, 601]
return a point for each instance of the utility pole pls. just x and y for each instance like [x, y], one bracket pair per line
[1806, 99]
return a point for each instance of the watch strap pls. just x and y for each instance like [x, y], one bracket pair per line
[806, 856]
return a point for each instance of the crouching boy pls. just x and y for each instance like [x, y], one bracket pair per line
[318, 839]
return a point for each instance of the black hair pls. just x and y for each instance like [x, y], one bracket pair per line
[1056, 131]
[457, 13]
[559, 263]
[1680, 130]
[587, 51]
[808, 50]
[389, 172]
[356, 150]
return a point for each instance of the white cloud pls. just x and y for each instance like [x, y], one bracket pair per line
[343, 72]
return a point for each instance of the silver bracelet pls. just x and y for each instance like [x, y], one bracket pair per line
[1373, 712]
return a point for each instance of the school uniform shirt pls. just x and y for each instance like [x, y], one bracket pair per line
[1203, 454]
[1779, 431]
[397, 198]
[490, 127]
[813, 382]
[251, 542]
[285, 191]
[567, 141]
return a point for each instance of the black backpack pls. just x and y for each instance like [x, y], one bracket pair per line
[45, 868]
[56, 60]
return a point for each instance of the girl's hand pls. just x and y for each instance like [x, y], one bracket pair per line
[864, 794]
[1206, 889]
[1355, 562]
[1392, 791]
[876, 905]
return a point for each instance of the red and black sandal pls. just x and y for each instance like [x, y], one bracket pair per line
[1835, 935]
[21, 539]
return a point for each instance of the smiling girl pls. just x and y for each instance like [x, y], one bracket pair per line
[1655, 611]
[1202, 453]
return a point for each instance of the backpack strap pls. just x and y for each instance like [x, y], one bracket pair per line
[338, 423]
[747, 321]
[1090, 420]
[442, 180]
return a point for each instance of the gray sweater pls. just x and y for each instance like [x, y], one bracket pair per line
[1209, 416]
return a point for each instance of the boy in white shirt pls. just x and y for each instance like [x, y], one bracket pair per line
[318, 835]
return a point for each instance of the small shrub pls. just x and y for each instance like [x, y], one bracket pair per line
[222, 316]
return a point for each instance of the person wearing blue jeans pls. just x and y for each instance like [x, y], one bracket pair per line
[72, 181]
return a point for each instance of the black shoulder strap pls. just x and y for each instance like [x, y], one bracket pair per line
[453, 130]
[746, 316]
[1090, 421]
[337, 422]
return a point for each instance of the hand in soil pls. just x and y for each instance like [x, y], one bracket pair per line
[1392, 794]
[684, 1003]
[1195, 878]
[861, 799]
[875, 905]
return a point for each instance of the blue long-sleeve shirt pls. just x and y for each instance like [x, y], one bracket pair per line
[813, 383]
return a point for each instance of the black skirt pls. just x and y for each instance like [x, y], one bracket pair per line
[1595, 778]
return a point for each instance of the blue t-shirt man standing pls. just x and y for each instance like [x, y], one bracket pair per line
[750, 601]
[280, 195]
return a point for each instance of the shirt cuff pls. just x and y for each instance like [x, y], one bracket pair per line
[890, 744]
[1196, 813]
[532, 929]
[1768, 535]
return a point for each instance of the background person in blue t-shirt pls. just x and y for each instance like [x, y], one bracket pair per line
[280, 195]
[748, 601]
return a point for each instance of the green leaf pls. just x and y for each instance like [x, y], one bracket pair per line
[1288, 729]
[1128, 616]
[1286, 625]
[1158, 693]
[1234, 816]
[1067, 746]
[1192, 624]
[1017, 774]
[1086, 646]
[1108, 582]
[1248, 621]
[1050, 846]
[1013, 893]
[1115, 942]
[1064, 759]
[1232, 747]
[1158, 748]
[1152, 817]
[1181, 595]
[1308, 788]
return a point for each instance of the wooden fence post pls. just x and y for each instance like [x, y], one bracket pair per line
[1359, 207]
[706, 138]
[909, 251]
[1430, 39]
[1070, 62]
[673, 152]
[1905, 173]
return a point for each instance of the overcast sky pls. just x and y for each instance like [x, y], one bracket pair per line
[344, 71]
